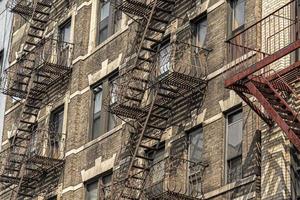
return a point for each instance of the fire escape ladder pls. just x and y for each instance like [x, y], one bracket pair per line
[21, 170]
[278, 109]
[146, 139]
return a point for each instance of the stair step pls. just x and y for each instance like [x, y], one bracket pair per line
[140, 79]
[38, 91]
[156, 30]
[160, 20]
[143, 69]
[162, 106]
[23, 75]
[29, 113]
[148, 49]
[266, 90]
[151, 137]
[165, 95]
[37, 28]
[31, 43]
[145, 59]
[293, 124]
[160, 9]
[34, 98]
[21, 83]
[39, 20]
[42, 12]
[24, 130]
[140, 167]
[136, 89]
[147, 147]
[287, 117]
[40, 83]
[133, 187]
[159, 116]
[282, 110]
[31, 106]
[35, 36]
[44, 4]
[155, 127]
[152, 40]
[144, 157]
[26, 122]
[133, 98]
[269, 96]
[169, 89]
[167, 1]
[138, 177]
[129, 197]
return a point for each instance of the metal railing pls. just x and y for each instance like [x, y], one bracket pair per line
[267, 36]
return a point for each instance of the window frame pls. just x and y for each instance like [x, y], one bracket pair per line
[233, 111]
[111, 79]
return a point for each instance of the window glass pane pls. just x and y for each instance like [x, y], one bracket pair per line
[158, 168]
[97, 99]
[117, 20]
[57, 121]
[195, 145]
[1, 61]
[92, 191]
[104, 11]
[235, 133]
[238, 13]
[96, 127]
[103, 34]
[65, 32]
[201, 29]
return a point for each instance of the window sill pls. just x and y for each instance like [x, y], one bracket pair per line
[230, 186]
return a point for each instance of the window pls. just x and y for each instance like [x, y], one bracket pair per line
[109, 21]
[97, 106]
[53, 198]
[65, 31]
[195, 138]
[200, 32]
[56, 128]
[99, 188]
[237, 14]
[234, 145]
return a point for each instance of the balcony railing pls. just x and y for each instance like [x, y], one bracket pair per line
[52, 61]
[272, 33]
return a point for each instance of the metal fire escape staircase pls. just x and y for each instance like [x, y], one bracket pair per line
[21, 172]
[149, 96]
[260, 77]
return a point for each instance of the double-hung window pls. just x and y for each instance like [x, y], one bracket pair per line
[56, 128]
[200, 28]
[109, 20]
[234, 129]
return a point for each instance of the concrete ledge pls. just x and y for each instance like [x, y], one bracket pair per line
[230, 186]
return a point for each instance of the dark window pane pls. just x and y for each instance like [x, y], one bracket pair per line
[96, 128]
[97, 99]
[234, 169]
[104, 11]
[92, 191]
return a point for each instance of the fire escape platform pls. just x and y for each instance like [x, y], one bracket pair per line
[170, 195]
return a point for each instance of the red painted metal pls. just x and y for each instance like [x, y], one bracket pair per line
[293, 137]
[263, 63]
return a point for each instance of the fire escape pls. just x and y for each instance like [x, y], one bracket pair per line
[162, 83]
[41, 67]
[265, 60]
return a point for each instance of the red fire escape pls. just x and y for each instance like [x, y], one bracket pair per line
[265, 60]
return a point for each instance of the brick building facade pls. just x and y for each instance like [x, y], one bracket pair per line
[236, 155]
